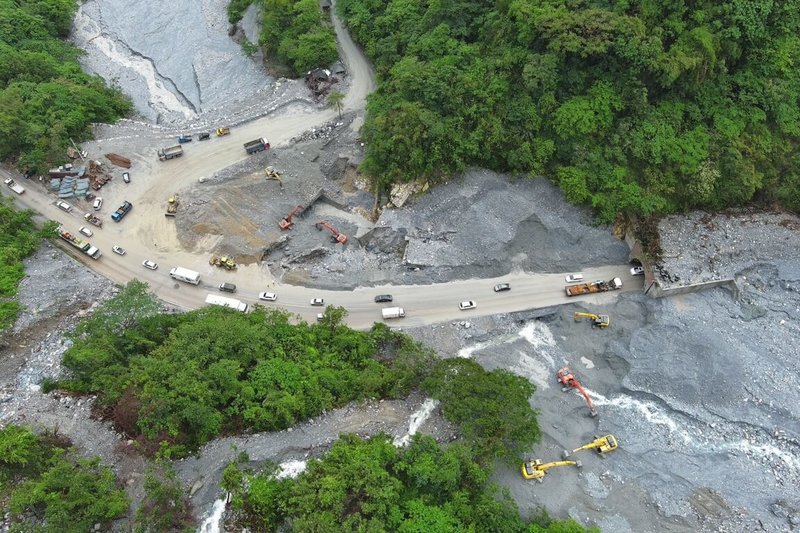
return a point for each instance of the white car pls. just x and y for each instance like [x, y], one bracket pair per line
[268, 296]
[320, 316]
[637, 271]
[469, 304]
[118, 250]
[86, 231]
[61, 204]
[97, 204]
[574, 278]
[126, 177]
[317, 301]
[149, 264]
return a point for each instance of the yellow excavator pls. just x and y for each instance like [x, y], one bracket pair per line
[598, 321]
[537, 470]
[603, 445]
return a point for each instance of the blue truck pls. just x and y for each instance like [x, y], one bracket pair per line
[123, 210]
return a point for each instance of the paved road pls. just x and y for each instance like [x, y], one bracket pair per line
[147, 234]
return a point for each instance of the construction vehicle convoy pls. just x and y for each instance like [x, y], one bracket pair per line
[172, 206]
[286, 222]
[93, 220]
[223, 131]
[170, 153]
[603, 445]
[84, 246]
[258, 145]
[598, 321]
[393, 312]
[13, 186]
[123, 210]
[338, 237]
[594, 286]
[222, 261]
[568, 381]
[537, 470]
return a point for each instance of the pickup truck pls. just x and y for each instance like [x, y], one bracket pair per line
[14, 187]
[123, 210]
[184, 138]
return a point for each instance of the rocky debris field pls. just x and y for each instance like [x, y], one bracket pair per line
[701, 247]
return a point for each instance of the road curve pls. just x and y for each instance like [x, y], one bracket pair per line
[147, 234]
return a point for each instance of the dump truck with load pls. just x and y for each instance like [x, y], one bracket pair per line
[224, 301]
[84, 246]
[393, 312]
[93, 220]
[14, 187]
[170, 153]
[185, 275]
[123, 210]
[258, 145]
[594, 286]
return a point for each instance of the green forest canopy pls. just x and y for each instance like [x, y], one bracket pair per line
[180, 380]
[45, 97]
[637, 107]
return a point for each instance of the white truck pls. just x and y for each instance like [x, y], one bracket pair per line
[14, 187]
[393, 312]
[185, 275]
[224, 301]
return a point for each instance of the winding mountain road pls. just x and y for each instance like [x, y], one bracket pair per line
[146, 234]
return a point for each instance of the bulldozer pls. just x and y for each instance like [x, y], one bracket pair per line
[603, 445]
[537, 470]
[286, 222]
[598, 321]
[222, 261]
[337, 235]
[172, 206]
[568, 381]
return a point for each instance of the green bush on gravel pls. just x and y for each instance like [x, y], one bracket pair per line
[19, 238]
[177, 381]
[48, 488]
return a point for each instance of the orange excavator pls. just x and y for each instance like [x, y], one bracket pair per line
[337, 235]
[286, 222]
[568, 381]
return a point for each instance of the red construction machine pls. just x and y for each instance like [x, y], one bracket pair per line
[337, 235]
[286, 222]
[568, 381]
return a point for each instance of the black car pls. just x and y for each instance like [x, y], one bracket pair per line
[227, 287]
[203, 136]
[381, 298]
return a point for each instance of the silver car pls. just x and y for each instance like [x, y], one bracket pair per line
[469, 304]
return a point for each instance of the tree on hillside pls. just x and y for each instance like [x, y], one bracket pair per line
[335, 99]
[492, 409]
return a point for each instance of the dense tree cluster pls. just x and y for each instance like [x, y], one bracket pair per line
[371, 485]
[180, 380]
[296, 33]
[638, 107]
[45, 97]
[19, 238]
[49, 488]
[491, 409]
